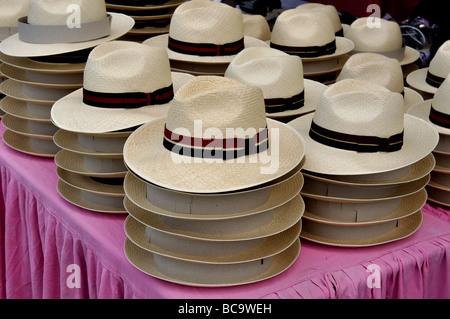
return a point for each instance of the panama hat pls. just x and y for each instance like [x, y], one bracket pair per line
[309, 35]
[355, 110]
[280, 76]
[137, 5]
[330, 10]
[30, 145]
[235, 112]
[356, 213]
[45, 31]
[440, 180]
[29, 128]
[438, 196]
[437, 110]
[205, 251]
[31, 93]
[11, 11]
[205, 32]
[363, 235]
[385, 37]
[443, 146]
[117, 72]
[256, 26]
[429, 79]
[442, 163]
[26, 110]
[381, 70]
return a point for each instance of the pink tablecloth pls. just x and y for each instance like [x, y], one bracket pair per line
[43, 236]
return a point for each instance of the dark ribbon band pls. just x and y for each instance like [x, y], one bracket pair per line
[307, 52]
[285, 104]
[206, 49]
[225, 149]
[439, 118]
[128, 100]
[358, 143]
[434, 80]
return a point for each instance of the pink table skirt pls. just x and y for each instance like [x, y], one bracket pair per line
[43, 237]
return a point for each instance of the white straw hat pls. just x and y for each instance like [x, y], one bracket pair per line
[205, 32]
[330, 10]
[11, 11]
[46, 30]
[384, 37]
[26, 110]
[125, 84]
[256, 26]
[438, 196]
[309, 35]
[280, 76]
[179, 153]
[381, 70]
[361, 128]
[30, 145]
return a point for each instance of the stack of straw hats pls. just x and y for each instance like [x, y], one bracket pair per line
[384, 37]
[44, 62]
[203, 38]
[287, 94]
[125, 85]
[151, 18]
[366, 166]
[437, 112]
[311, 35]
[381, 70]
[213, 190]
[427, 80]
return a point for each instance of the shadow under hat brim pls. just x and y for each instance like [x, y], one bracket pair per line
[438, 196]
[27, 145]
[144, 261]
[422, 110]
[269, 246]
[199, 175]
[162, 41]
[168, 4]
[314, 70]
[411, 98]
[20, 126]
[420, 138]
[313, 92]
[13, 46]
[71, 114]
[417, 80]
[19, 109]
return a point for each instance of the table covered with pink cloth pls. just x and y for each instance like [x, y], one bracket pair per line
[43, 237]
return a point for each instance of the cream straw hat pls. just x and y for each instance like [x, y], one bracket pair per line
[114, 71]
[10, 12]
[280, 76]
[163, 152]
[45, 31]
[330, 10]
[381, 70]
[385, 39]
[256, 26]
[361, 128]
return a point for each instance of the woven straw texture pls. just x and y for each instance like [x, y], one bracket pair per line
[11, 11]
[327, 9]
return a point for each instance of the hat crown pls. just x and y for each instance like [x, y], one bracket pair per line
[255, 25]
[56, 12]
[206, 22]
[297, 28]
[219, 103]
[11, 11]
[325, 8]
[360, 108]
[440, 64]
[123, 67]
[278, 74]
[375, 68]
[441, 99]
[384, 37]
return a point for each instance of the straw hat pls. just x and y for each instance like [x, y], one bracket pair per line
[26, 110]
[385, 39]
[215, 29]
[437, 110]
[29, 128]
[11, 11]
[280, 76]
[330, 10]
[442, 163]
[438, 196]
[115, 70]
[352, 110]
[45, 31]
[30, 145]
[230, 111]
[31, 93]
[28, 64]
[429, 79]
[142, 5]
[381, 70]
[309, 35]
[256, 26]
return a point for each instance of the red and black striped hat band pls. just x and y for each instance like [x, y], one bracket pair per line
[434, 80]
[307, 52]
[216, 148]
[128, 100]
[439, 118]
[285, 104]
[358, 143]
[206, 49]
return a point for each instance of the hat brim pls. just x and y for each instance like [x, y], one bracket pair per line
[438, 196]
[144, 261]
[410, 56]
[269, 246]
[422, 111]
[162, 41]
[420, 138]
[21, 126]
[200, 175]
[311, 69]
[19, 109]
[71, 114]
[168, 4]
[30, 145]
[440, 159]
[417, 80]
[13, 46]
[16, 90]
[343, 46]
[313, 91]
[406, 227]
[411, 98]
[280, 194]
